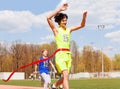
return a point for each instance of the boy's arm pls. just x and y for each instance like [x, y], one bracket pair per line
[53, 66]
[36, 67]
[80, 25]
[49, 17]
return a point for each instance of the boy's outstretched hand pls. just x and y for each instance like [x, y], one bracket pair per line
[64, 7]
[85, 14]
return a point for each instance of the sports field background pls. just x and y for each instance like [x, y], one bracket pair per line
[74, 84]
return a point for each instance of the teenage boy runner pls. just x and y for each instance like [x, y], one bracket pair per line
[62, 37]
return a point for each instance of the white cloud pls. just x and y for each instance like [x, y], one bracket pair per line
[48, 37]
[114, 36]
[20, 21]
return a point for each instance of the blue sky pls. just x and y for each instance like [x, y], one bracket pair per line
[25, 20]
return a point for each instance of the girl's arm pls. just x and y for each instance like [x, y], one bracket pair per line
[80, 25]
[50, 16]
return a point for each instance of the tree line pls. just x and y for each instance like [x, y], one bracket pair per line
[88, 60]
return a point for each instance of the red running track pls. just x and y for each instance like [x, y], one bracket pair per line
[18, 87]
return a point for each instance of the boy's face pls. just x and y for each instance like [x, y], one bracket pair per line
[63, 22]
[45, 53]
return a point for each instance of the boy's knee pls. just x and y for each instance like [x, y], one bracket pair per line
[65, 74]
[47, 81]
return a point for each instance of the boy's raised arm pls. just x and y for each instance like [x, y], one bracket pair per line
[81, 25]
[51, 15]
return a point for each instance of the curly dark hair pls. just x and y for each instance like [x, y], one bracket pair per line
[59, 17]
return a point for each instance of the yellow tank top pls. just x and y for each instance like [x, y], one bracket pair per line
[63, 38]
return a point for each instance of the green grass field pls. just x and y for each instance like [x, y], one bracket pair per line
[74, 84]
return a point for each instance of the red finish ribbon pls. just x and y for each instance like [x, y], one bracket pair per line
[35, 62]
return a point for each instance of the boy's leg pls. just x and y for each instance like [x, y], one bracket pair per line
[56, 84]
[59, 82]
[63, 66]
[65, 79]
[47, 79]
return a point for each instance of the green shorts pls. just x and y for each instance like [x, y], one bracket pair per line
[63, 61]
